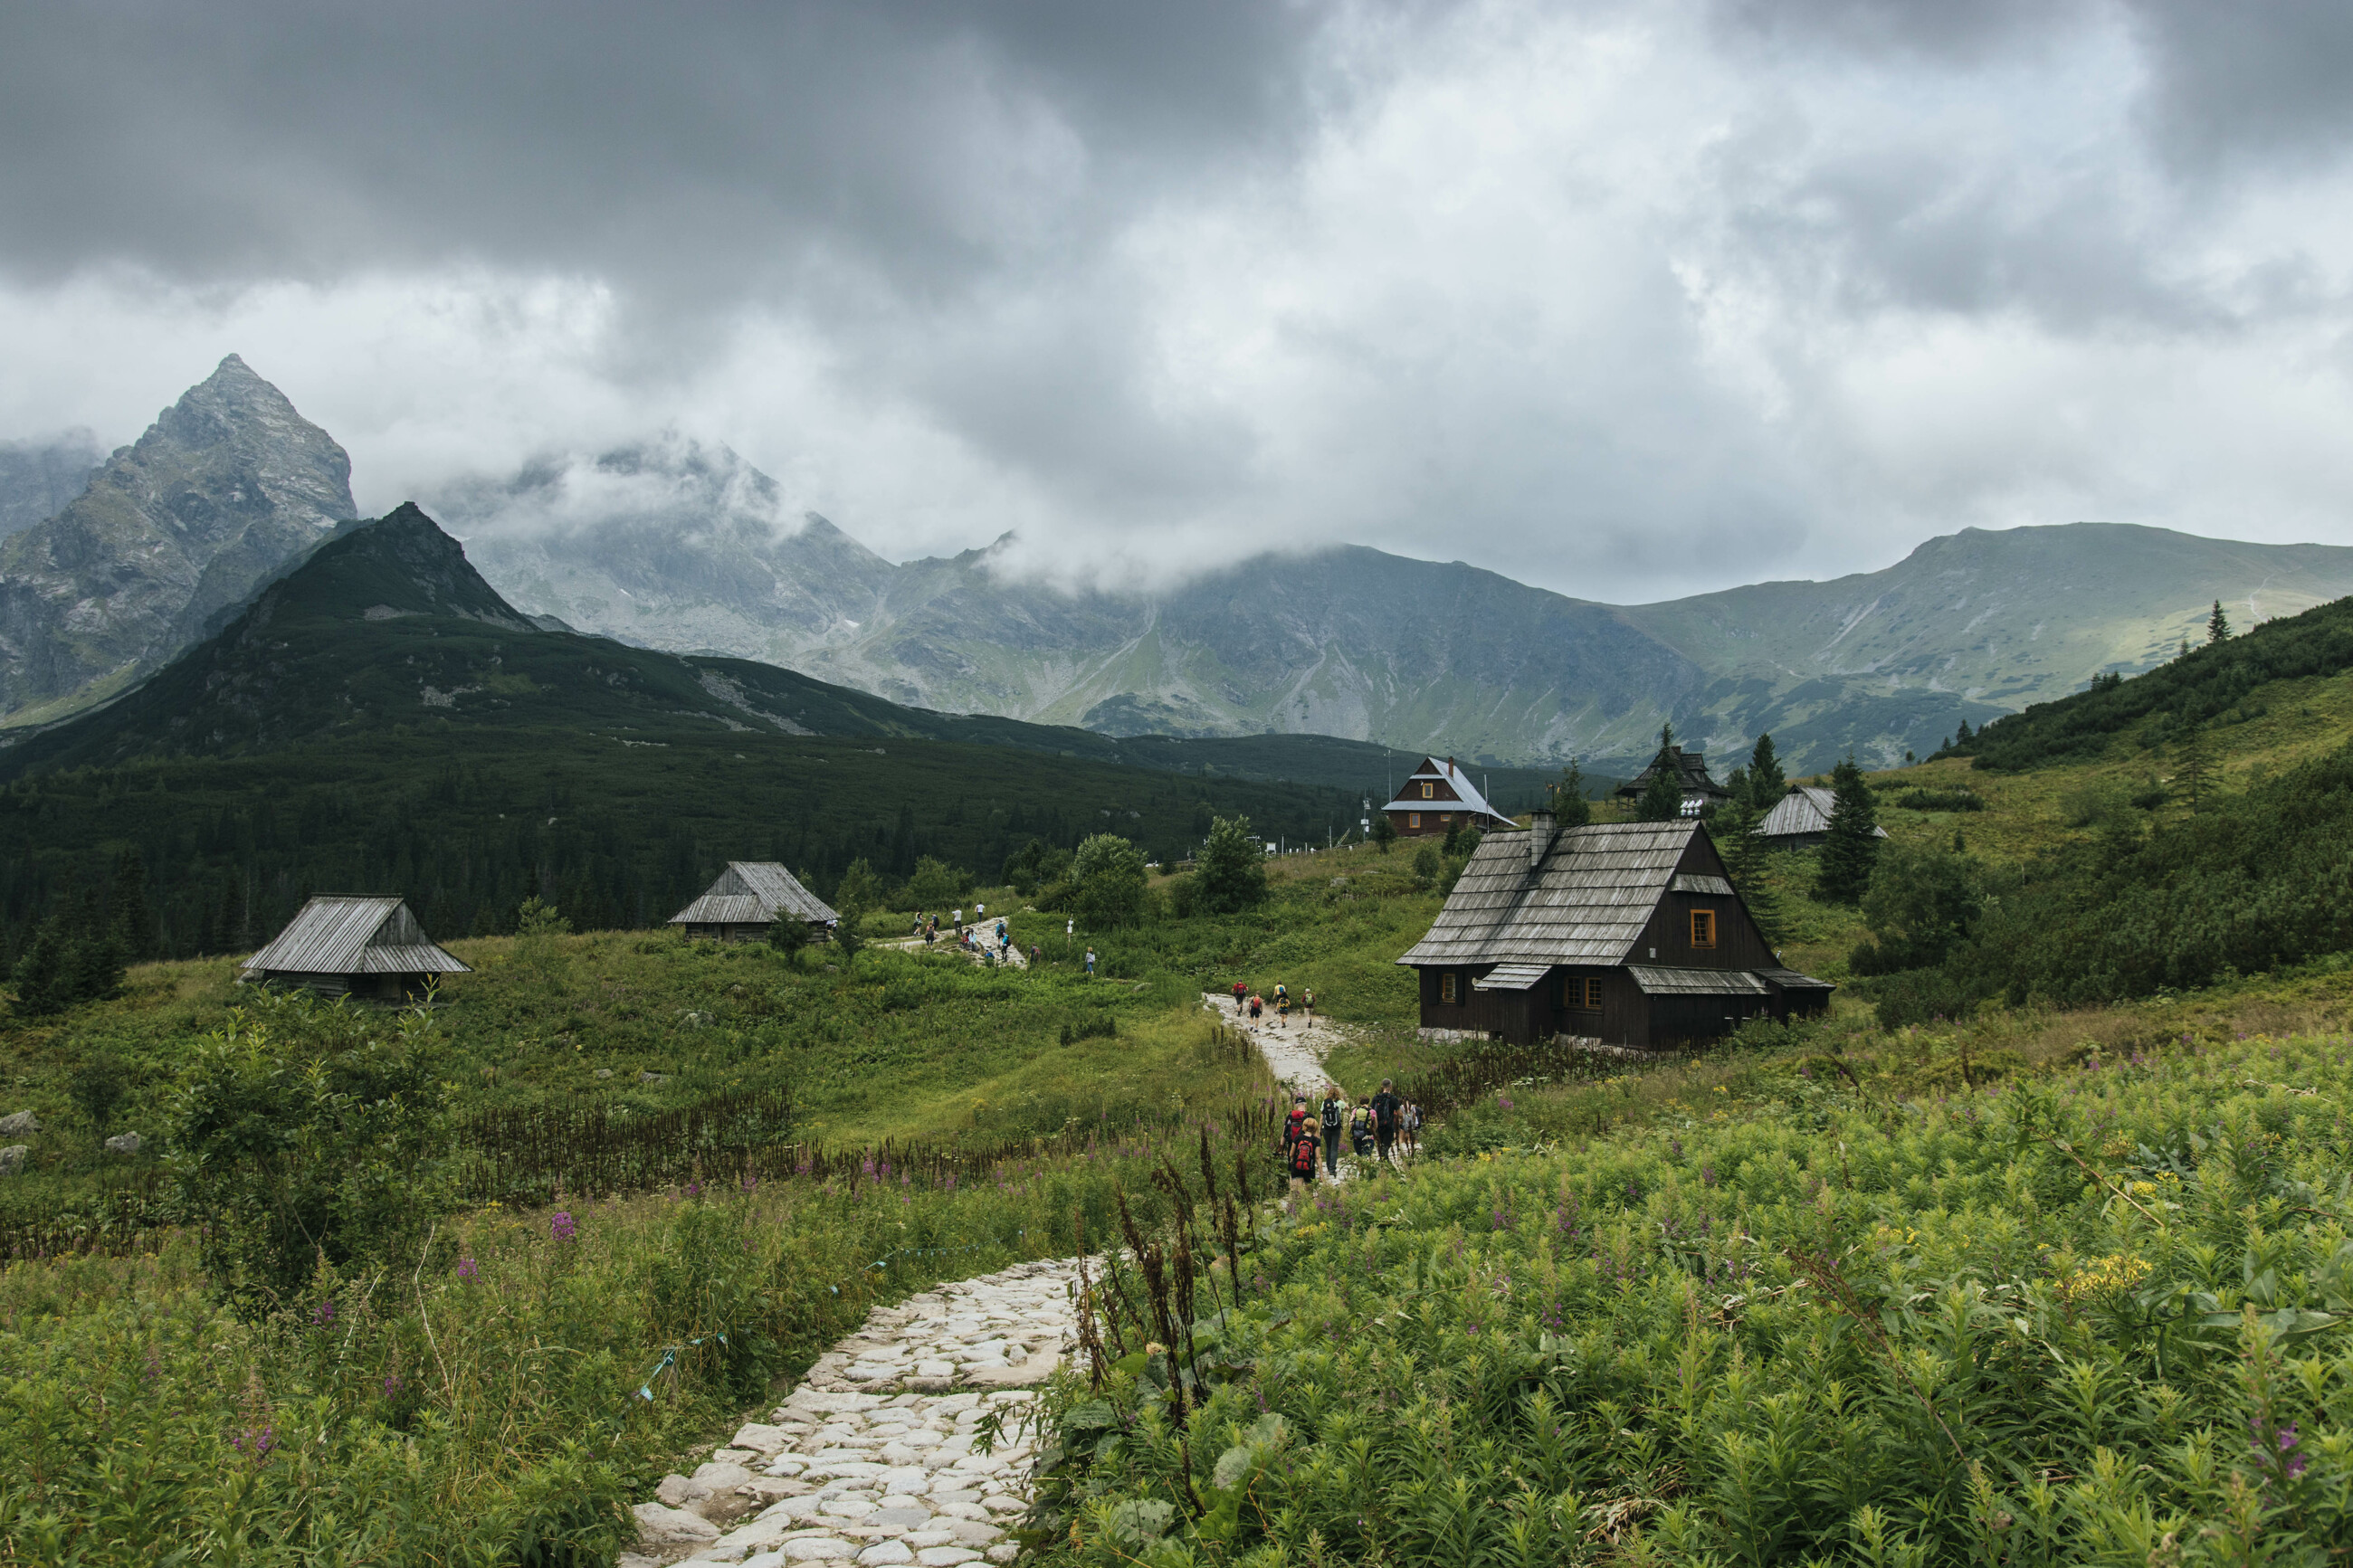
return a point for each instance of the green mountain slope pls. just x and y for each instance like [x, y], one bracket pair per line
[672, 545]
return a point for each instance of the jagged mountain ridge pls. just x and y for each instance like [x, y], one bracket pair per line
[221, 492]
[388, 628]
[1357, 643]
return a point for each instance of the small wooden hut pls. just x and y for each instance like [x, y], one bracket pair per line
[1626, 933]
[369, 947]
[749, 896]
[1801, 818]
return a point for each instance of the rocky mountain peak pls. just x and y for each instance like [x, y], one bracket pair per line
[227, 486]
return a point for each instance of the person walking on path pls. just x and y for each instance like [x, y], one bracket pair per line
[1090, 963]
[1282, 1008]
[1334, 1118]
[1239, 991]
[1410, 1129]
[1307, 1001]
[1385, 1106]
[1254, 1006]
[1297, 1121]
[1300, 1159]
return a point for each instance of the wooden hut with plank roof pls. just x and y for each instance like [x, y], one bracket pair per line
[749, 896]
[1625, 933]
[1437, 798]
[1801, 818]
[371, 949]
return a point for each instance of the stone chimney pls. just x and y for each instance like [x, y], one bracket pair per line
[1540, 832]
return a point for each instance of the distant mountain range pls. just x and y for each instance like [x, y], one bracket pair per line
[388, 627]
[677, 545]
[686, 548]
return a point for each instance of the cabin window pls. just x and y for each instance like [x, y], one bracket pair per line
[1429, 792]
[1413, 819]
[1445, 817]
[1448, 986]
[1581, 992]
[1703, 928]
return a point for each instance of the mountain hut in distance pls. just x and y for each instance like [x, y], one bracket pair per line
[1436, 797]
[371, 949]
[1620, 933]
[1690, 769]
[749, 896]
[1801, 819]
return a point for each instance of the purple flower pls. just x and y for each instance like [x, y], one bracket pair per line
[559, 1224]
[391, 1384]
[694, 1189]
[468, 1269]
[323, 1313]
[1707, 1175]
[255, 1445]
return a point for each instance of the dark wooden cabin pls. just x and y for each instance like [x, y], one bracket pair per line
[371, 949]
[1438, 797]
[1625, 933]
[1690, 769]
[749, 896]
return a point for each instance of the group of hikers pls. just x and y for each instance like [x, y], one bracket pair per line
[1250, 1003]
[1383, 1127]
[990, 944]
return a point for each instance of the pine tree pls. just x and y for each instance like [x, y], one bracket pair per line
[1385, 832]
[1852, 847]
[2194, 779]
[1744, 855]
[43, 984]
[1767, 783]
[1570, 808]
[2218, 626]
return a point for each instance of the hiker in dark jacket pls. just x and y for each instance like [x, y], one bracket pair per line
[1293, 1123]
[1385, 1107]
[1334, 1119]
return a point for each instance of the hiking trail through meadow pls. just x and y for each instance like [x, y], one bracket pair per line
[872, 1459]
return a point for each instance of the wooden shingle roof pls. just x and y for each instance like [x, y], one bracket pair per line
[1587, 904]
[753, 892]
[1806, 809]
[338, 935]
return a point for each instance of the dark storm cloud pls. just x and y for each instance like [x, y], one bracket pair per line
[668, 147]
[2240, 84]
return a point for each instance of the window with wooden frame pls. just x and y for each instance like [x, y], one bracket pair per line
[1413, 819]
[1581, 992]
[1449, 987]
[1703, 928]
[1429, 792]
[1445, 817]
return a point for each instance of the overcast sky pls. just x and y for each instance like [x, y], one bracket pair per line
[1630, 300]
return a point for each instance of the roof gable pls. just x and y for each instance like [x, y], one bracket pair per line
[753, 892]
[334, 935]
[1587, 904]
[1807, 808]
[1455, 777]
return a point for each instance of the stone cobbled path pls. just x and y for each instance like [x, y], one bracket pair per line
[872, 1459]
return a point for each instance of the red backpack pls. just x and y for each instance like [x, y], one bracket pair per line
[1302, 1157]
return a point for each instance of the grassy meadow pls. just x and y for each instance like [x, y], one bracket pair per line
[2031, 1286]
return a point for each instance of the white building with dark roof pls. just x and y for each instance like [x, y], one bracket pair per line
[749, 896]
[369, 947]
[1628, 933]
[1437, 797]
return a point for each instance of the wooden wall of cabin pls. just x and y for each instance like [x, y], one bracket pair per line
[1484, 1011]
[1623, 1018]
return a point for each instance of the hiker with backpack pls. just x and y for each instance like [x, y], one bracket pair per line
[1301, 1159]
[1242, 989]
[1360, 1131]
[1292, 1123]
[1385, 1107]
[1334, 1117]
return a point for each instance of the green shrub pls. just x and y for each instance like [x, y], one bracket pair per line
[305, 1139]
[1229, 873]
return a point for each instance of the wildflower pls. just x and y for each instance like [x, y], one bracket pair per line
[694, 1189]
[391, 1384]
[468, 1269]
[559, 1224]
[323, 1313]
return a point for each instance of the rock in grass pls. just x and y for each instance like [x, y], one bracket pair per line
[12, 1158]
[20, 1124]
[123, 1143]
[662, 1526]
